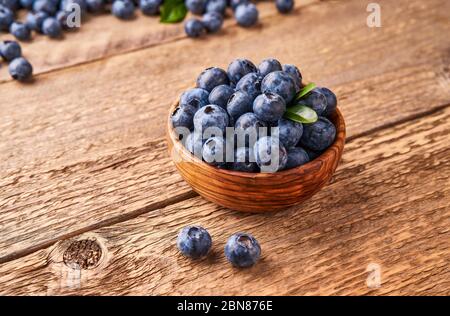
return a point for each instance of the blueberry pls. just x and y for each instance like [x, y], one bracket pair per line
[20, 69]
[211, 78]
[246, 14]
[269, 107]
[290, 132]
[6, 18]
[51, 27]
[194, 28]
[194, 143]
[196, 6]
[13, 5]
[248, 128]
[150, 7]
[244, 160]
[47, 6]
[212, 21]
[183, 116]
[269, 65]
[67, 5]
[234, 3]
[34, 20]
[27, 4]
[296, 157]
[220, 95]
[270, 154]
[251, 84]
[194, 242]
[242, 250]
[312, 154]
[211, 116]
[62, 17]
[295, 74]
[238, 104]
[10, 50]
[281, 83]
[331, 101]
[95, 6]
[214, 151]
[284, 6]
[239, 68]
[315, 100]
[196, 97]
[20, 31]
[123, 9]
[319, 135]
[218, 6]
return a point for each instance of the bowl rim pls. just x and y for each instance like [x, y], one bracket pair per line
[314, 164]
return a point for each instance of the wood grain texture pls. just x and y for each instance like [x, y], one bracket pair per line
[103, 36]
[257, 192]
[387, 205]
[83, 147]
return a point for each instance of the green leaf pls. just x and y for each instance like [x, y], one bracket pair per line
[305, 90]
[301, 114]
[173, 11]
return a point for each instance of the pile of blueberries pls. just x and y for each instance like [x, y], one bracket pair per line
[236, 120]
[242, 250]
[213, 12]
[19, 68]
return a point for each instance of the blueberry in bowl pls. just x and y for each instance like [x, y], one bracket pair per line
[256, 154]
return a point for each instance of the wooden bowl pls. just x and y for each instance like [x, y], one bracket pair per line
[257, 192]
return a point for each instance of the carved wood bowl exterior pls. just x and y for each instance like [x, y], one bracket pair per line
[257, 192]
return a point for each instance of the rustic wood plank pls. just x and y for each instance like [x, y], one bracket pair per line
[39, 207]
[104, 36]
[78, 151]
[388, 205]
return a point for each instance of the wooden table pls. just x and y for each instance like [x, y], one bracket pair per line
[83, 157]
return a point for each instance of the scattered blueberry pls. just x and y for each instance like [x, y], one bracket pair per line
[6, 18]
[48, 6]
[68, 5]
[214, 151]
[213, 117]
[212, 21]
[297, 156]
[20, 69]
[34, 20]
[62, 17]
[318, 136]
[234, 3]
[51, 27]
[196, 6]
[211, 78]
[20, 31]
[10, 50]
[290, 132]
[315, 100]
[331, 101]
[96, 6]
[238, 68]
[242, 250]
[13, 5]
[284, 6]
[194, 28]
[27, 4]
[220, 95]
[269, 107]
[218, 6]
[238, 104]
[250, 84]
[295, 74]
[123, 9]
[281, 83]
[270, 154]
[244, 160]
[246, 14]
[194, 242]
[150, 7]
[269, 65]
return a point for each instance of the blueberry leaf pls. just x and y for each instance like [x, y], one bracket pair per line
[173, 11]
[305, 90]
[301, 114]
